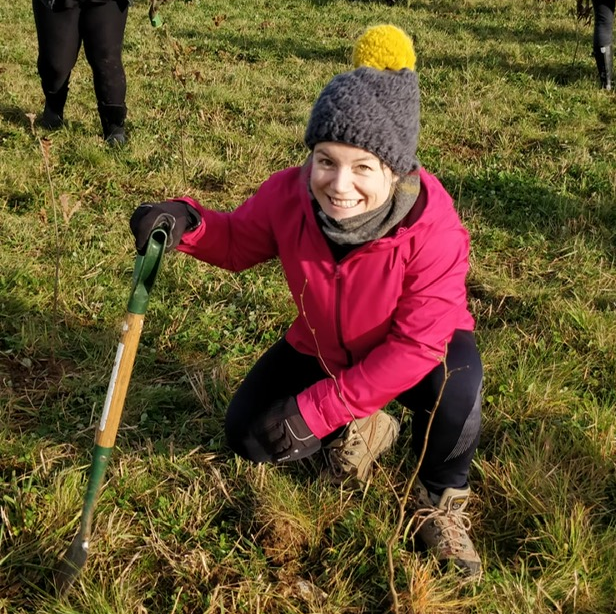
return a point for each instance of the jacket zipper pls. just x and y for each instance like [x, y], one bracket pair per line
[338, 315]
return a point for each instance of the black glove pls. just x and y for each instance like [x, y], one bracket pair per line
[283, 432]
[175, 217]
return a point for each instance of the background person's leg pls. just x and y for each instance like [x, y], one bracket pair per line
[603, 33]
[58, 49]
[603, 37]
[102, 27]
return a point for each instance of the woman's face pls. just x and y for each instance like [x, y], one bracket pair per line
[347, 180]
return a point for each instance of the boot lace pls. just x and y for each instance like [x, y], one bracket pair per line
[342, 452]
[453, 527]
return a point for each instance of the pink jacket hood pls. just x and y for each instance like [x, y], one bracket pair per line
[380, 319]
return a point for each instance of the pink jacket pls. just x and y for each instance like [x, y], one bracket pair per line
[380, 319]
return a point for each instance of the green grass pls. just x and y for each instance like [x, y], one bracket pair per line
[513, 124]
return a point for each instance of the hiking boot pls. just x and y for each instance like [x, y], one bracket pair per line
[352, 455]
[443, 525]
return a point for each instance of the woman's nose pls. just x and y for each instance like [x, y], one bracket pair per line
[342, 180]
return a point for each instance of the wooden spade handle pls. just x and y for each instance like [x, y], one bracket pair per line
[120, 378]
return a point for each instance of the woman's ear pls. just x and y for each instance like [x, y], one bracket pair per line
[394, 184]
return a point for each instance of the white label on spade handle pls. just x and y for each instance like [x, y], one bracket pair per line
[112, 383]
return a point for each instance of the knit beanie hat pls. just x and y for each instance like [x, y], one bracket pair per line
[375, 106]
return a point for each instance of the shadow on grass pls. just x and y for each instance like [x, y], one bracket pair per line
[456, 20]
[560, 73]
[522, 205]
[58, 395]
[252, 49]
[15, 116]
[18, 118]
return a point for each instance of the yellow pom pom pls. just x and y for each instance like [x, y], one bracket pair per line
[384, 47]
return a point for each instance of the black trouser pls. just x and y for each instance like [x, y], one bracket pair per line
[60, 34]
[454, 433]
[604, 23]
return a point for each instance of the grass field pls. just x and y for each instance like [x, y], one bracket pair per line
[515, 126]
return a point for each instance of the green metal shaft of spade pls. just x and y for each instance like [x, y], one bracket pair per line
[144, 276]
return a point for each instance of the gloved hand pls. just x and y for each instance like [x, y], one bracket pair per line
[283, 432]
[175, 217]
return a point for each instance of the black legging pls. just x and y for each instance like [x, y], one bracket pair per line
[604, 23]
[100, 26]
[454, 434]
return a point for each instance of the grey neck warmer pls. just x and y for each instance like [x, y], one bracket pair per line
[374, 224]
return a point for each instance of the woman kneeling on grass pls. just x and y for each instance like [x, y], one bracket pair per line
[376, 259]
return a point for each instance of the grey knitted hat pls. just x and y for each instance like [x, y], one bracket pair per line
[375, 106]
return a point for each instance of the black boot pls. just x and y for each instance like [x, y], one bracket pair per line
[604, 56]
[50, 119]
[112, 120]
[53, 113]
